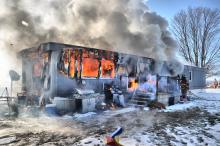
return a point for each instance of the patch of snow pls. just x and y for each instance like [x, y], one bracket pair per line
[190, 136]
[67, 117]
[178, 107]
[208, 99]
[207, 92]
[136, 141]
[146, 108]
[7, 140]
[91, 141]
[60, 98]
[24, 23]
[103, 103]
[128, 141]
[121, 111]
[50, 105]
[84, 91]
[89, 114]
[180, 136]
[215, 131]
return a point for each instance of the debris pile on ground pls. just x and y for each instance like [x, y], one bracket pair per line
[156, 105]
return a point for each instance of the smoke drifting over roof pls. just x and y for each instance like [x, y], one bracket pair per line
[120, 25]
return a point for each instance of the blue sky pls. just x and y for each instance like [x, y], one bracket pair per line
[168, 8]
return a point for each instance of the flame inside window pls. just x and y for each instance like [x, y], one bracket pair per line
[90, 67]
[68, 63]
[133, 85]
[72, 65]
[108, 68]
[87, 63]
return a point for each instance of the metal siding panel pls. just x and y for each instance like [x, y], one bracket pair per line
[198, 77]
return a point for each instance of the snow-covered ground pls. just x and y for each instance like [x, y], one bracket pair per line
[179, 106]
[197, 133]
[208, 99]
[194, 123]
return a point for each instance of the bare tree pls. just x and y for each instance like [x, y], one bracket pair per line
[197, 31]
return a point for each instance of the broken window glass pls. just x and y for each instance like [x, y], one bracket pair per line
[66, 65]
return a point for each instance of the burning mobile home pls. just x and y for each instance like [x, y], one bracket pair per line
[59, 70]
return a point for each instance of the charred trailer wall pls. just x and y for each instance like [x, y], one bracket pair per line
[56, 83]
[33, 63]
[52, 81]
[63, 83]
[26, 75]
[44, 76]
[58, 80]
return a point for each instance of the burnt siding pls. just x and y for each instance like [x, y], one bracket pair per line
[198, 78]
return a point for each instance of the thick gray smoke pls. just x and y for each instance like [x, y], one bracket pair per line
[127, 26]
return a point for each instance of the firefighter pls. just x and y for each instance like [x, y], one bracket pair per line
[215, 83]
[184, 88]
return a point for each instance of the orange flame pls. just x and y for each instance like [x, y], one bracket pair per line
[108, 68]
[90, 67]
[133, 85]
[72, 66]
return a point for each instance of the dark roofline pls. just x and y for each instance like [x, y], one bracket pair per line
[24, 51]
[47, 47]
[194, 67]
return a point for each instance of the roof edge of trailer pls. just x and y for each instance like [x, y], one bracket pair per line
[53, 46]
[46, 46]
[193, 66]
[24, 51]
